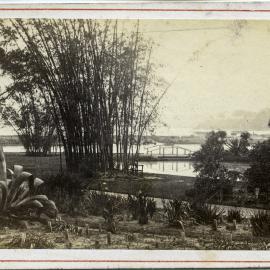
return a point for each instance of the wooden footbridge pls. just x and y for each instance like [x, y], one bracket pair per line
[169, 151]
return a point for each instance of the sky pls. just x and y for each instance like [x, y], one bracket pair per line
[220, 67]
[216, 69]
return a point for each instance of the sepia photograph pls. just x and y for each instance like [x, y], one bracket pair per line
[134, 134]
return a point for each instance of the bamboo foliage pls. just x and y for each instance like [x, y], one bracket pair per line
[98, 81]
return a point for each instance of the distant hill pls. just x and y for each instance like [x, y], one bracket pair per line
[238, 120]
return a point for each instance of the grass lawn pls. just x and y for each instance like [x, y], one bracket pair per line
[156, 185]
[39, 166]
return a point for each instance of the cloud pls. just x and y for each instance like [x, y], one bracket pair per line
[238, 120]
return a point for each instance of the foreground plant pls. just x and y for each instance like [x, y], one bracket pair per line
[234, 214]
[66, 190]
[18, 196]
[141, 207]
[109, 216]
[260, 223]
[176, 212]
[206, 214]
[96, 201]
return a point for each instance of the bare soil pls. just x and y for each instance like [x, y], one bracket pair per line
[90, 233]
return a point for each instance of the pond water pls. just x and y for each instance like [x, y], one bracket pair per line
[182, 168]
[143, 149]
[178, 168]
[14, 149]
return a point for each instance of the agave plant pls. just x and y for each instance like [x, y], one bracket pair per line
[175, 211]
[18, 195]
[206, 214]
[234, 214]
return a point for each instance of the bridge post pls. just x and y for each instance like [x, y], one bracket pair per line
[185, 152]
[172, 149]
[177, 151]
[159, 150]
[163, 152]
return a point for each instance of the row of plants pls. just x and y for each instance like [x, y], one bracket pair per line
[72, 197]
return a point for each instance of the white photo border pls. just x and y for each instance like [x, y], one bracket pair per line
[94, 259]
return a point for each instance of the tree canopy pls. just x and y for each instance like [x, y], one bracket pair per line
[98, 81]
[212, 175]
[239, 147]
[258, 175]
[208, 160]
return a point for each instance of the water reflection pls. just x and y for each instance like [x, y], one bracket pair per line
[184, 168]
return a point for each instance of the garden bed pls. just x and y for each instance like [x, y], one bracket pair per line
[90, 233]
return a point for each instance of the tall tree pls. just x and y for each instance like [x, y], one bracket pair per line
[212, 175]
[31, 121]
[23, 109]
[258, 175]
[208, 160]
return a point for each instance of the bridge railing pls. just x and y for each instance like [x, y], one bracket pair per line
[160, 150]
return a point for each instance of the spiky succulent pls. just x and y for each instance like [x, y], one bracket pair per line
[18, 195]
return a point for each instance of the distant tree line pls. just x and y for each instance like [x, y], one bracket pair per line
[83, 80]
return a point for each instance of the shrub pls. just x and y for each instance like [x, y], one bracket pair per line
[107, 205]
[64, 183]
[206, 214]
[109, 215]
[133, 206]
[260, 223]
[234, 214]
[87, 168]
[96, 201]
[141, 207]
[67, 191]
[151, 207]
[19, 199]
[176, 211]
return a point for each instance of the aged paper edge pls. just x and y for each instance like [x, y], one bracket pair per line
[78, 259]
